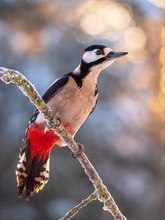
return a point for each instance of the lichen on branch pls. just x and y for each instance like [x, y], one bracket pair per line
[12, 76]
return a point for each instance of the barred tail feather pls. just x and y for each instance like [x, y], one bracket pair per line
[31, 173]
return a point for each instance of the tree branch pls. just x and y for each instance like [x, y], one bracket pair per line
[12, 76]
[78, 207]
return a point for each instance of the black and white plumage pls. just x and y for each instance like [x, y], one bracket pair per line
[73, 97]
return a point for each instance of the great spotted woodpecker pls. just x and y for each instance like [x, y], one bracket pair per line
[73, 97]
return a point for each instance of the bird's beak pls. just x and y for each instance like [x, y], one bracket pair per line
[114, 55]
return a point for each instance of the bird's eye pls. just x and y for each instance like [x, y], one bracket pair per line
[98, 52]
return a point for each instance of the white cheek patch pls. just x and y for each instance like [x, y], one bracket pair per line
[107, 50]
[91, 56]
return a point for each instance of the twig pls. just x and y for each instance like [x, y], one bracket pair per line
[78, 207]
[12, 76]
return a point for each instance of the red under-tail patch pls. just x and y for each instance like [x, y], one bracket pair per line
[41, 141]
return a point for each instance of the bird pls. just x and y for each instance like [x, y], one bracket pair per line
[73, 97]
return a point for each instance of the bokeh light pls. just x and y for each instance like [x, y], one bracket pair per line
[162, 54]
[93, 24]
[135, 39]
[114, 15]
[162, 87]
[104, 18]
[158, 3]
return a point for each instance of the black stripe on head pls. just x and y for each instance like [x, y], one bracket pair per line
[93, 47]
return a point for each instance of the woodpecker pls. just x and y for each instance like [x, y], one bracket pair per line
[73, 97]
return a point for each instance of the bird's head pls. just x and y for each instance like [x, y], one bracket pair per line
[98, 57]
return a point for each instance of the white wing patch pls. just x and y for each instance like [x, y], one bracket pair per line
[39, 119]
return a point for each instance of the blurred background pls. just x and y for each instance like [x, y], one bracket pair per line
[124, 138]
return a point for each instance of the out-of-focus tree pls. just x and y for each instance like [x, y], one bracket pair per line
[124, 136]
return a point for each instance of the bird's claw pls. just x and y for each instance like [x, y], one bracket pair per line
[79, 152]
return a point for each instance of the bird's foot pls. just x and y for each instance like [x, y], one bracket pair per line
[79, 152]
